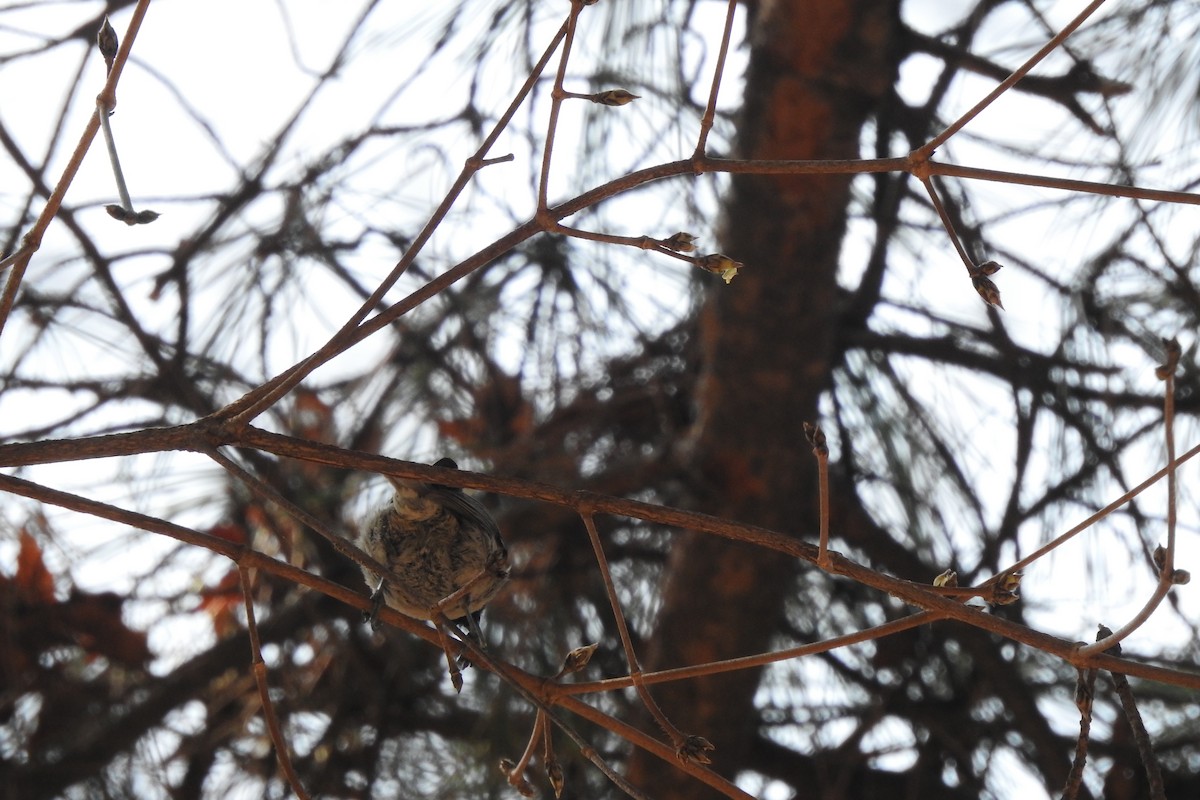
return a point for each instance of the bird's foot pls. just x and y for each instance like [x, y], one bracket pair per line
[372, 617]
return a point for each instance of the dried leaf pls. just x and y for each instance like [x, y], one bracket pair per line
[35, 584]
[222, 603]
[96, 625]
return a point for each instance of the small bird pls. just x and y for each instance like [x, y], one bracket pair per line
[443, 552]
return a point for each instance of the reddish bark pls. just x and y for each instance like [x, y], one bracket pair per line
[817, 71]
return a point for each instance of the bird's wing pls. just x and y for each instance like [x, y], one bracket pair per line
[468, 508]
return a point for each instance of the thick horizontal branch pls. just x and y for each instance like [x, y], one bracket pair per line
[915, 594]
[191, 437]
[58, 451]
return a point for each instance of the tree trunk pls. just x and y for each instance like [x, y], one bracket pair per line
[817, 70]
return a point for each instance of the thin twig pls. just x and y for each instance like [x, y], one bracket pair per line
[516, 772]
[639, 242]
[751, 662]
[557, 95]
[688, 747]
[1167, 373]
[1004, 85]
[1092, 519]
[710, 109]
[554, 771]
[652, 746]
[264, 692]
[1166, 567]
[1065, 184]
[118, 173]
[1145, 748]
[820, 448]
[927, 181]
[1085, 690]
[1161, 589]
[532, 689]
[1136, 726]
[32, 240]
[353, 331]
[356, 329]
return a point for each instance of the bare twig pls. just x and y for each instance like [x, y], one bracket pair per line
[688, 747]
[557, 95]
[353, 331]
[710, 109]
[1065, 184]
[515, 772]
[264, 692]
[752, 662]
[1167, 576]
[820, 448]
[1092, 519]
[32, 240]
[1002, 87]
[1134, 717]
[1167, 373]
[1085, 688]
[118, 173]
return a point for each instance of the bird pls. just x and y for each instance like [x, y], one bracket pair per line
[443, 553]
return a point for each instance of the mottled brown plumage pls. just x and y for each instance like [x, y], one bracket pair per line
[435, 541]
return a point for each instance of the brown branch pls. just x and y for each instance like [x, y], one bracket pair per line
[652, 746]
[1085, 690]
[927, 150]
[33, 239]
[254, 402]
[557, 95]
[1102, 513]
[710, 108]
[1134, 717]
[1066, 184]
[916, 594]
[1167, 373]
[688, 747]
[820, 448]
[927, 181]
[755, 661]
[264, 692]
[198, 435]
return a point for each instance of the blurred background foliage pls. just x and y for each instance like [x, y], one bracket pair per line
[294, 152]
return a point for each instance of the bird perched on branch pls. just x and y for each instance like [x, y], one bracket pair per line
[443, 552]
